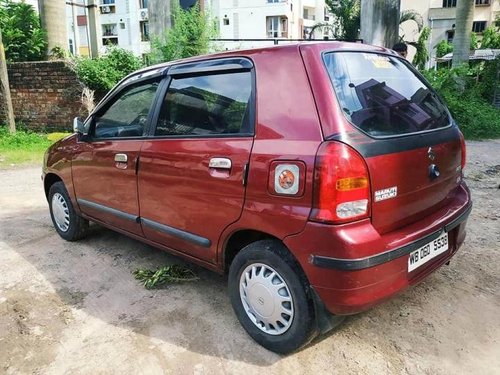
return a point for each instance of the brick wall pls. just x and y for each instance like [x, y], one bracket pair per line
[46, 95]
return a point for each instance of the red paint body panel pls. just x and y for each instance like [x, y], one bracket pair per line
[348, 292]
[99, 179]
[178, 189]
[296, 109]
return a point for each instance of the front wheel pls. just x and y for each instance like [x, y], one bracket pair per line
[268, 292]
[67, 223]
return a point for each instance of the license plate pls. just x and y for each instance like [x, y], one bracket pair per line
[430, 250]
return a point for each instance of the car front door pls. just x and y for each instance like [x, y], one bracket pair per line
[104, 167]
[192, 168]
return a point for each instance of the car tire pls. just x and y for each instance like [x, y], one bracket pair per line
[259, 298]
[67, 223]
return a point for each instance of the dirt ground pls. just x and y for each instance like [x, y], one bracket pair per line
[76, 308]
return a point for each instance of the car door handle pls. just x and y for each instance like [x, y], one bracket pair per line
[121, 158]
[220, 163]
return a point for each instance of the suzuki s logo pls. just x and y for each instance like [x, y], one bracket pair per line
[431, 154]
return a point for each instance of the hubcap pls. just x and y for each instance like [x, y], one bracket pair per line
[60, 212]
[266, 299]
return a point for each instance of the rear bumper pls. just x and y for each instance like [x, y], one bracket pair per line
[352, 267]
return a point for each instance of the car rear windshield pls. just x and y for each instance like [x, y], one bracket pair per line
[382, 96]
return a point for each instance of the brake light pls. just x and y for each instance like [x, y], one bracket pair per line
[341, 185]
[463, 149]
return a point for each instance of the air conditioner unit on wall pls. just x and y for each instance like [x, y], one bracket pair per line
[105, 9]
[144, 14]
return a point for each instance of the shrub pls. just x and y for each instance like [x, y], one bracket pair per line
[102, 73]
[467, 92]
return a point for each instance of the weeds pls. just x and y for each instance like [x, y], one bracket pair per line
[167, 274]
[24, 147]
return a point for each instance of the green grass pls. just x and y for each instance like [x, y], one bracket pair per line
[24, 147]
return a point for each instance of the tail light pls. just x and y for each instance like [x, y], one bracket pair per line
[341, 185]
[463, 149]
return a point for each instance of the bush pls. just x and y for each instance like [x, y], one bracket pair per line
[23, 37]
[102, 73]
[468, 92]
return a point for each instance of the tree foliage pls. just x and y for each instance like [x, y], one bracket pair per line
[422, 54]
[491, 38]
[443, 48]
[23, 37]
[346, 18]
[189, 36]
[102, 73]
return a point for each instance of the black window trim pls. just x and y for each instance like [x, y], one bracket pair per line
[204, 68]
[109, 99]
[412, 69]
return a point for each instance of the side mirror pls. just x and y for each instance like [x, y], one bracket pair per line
[78, 126]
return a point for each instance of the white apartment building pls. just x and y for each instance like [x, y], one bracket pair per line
[122, 22]
[440, 16]
[266, 20]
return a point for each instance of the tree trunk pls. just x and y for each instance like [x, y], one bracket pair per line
[463, 28]
[53, 20]
[5, 89]
[380, 22]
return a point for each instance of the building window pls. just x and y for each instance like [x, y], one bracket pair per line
[478, 26]
[449, 35]
[274, 1]
[109, 30]
[143, 4]
[277, 27]
[309, 14]
[449, 3]
[482, 2]
[144, 31]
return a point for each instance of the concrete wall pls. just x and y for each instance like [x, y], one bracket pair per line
[45, 95]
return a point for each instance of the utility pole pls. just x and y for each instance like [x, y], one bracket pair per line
[5, 89]
[94, 26]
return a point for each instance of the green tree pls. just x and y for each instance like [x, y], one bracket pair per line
[347, 19]
[422, 54]
[189, 36]
[491, 38]
[23, 37]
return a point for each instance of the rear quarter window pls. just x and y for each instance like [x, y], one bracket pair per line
[382, 96]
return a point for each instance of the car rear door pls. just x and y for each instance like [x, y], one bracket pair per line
[400, 127]
[193, 166]
[104, 167]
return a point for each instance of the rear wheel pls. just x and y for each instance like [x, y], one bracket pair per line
[269, 296]
[67, 223]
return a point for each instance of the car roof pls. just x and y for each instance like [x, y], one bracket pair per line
[319, 45]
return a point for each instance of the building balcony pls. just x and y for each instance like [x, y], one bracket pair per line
[442, 13]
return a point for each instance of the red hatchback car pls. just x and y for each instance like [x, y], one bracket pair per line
[323, 178]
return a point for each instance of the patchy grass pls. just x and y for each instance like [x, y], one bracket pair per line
[24, 147]
[167, 274]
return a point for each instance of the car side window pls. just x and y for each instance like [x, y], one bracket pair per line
[128, 114]
[207, 105]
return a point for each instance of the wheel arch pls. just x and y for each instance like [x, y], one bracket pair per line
[49, 180]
